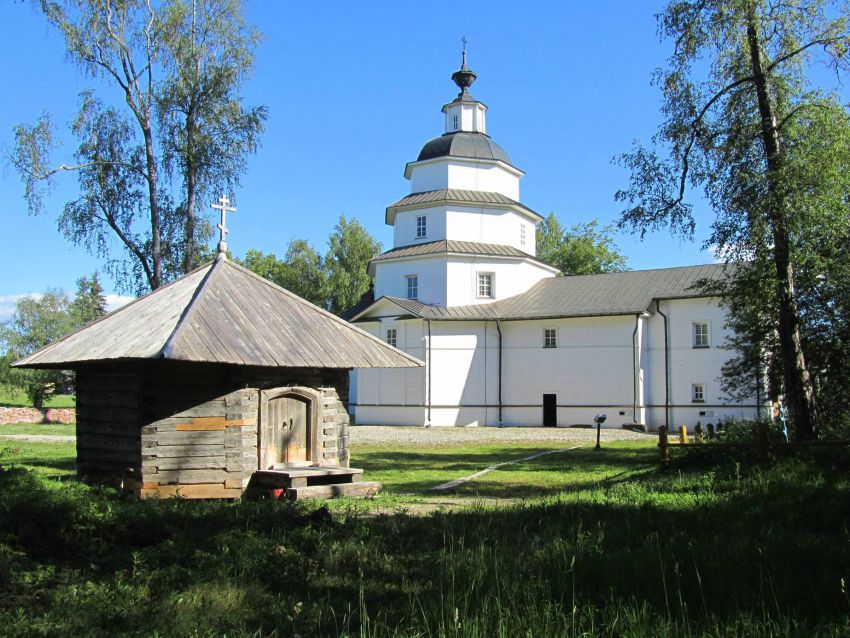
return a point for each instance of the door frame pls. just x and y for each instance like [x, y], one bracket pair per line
[312, 398]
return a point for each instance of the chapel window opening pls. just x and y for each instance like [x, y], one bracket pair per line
[392, 336]
[485, 285]
[698, 392]
[700, 334]
[522, 234]
[412, 287]
[550, 337]
[421, 226]
[454, 122]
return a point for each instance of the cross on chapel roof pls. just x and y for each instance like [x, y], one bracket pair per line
[463, 77]
[224, 207]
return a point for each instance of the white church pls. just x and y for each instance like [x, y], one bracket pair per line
[505, 339]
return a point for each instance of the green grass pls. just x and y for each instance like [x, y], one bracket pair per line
[50, 429]
[14, 399]
[724, 543]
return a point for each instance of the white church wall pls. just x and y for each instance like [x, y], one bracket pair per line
[590, 370]
[510, 277]
[473, 175]
[391, 279]
[689, 365]
[490, 226]
[405, 233]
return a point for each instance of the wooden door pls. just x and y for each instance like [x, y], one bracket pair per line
[287, 431]
[550, 410]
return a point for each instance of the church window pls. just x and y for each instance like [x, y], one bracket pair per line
[485, 285]
[550, 337]
[421, 226]
[700, 333]
[392, 336]
[454, 122]
[412, 287]
[522, 234]
[698, 392]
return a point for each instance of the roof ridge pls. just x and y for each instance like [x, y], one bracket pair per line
[328, 314]
[168, 347]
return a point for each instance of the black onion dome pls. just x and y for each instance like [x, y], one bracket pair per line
[463, 144]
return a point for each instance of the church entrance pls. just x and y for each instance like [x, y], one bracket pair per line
[286, 431]
[550, 410]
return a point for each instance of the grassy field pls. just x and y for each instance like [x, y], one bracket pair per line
[49, 429]
[724, 543]
[13, 399]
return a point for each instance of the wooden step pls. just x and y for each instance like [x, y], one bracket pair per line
[361, 489]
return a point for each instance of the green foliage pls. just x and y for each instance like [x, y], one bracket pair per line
[719, 545]
[769, 149]
[35, 323]
[301, 271]
[89, 303]
[350, 249]
[144, 168]
[584, 249]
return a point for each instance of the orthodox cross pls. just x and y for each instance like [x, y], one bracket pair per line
[223, 206]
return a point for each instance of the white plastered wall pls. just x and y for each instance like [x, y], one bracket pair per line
[475, 175]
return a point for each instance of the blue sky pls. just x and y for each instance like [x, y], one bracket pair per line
[354, 90]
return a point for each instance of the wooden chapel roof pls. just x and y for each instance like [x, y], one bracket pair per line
[222, 313]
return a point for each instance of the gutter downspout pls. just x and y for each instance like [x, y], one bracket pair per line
[635, 371]
[429, 372]
[666, 366]
[499, 330]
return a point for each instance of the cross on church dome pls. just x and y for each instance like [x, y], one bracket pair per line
[463, 77]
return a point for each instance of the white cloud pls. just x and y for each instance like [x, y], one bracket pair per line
[114, 302]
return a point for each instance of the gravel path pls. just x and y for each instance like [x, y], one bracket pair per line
[39, 438]
[412, 435]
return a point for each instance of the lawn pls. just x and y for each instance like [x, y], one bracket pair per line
[723, 543]
[14, 399]
[49, 429]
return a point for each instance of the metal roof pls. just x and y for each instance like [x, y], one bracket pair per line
[618, 293]
[450, 246]
[463, 144]
[456, 196]
[222, 313]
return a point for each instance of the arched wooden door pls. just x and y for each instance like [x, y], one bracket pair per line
[286, 430]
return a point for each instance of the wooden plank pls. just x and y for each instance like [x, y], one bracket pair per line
[184, 438]
[175, 451]
[191, 476]
[192, 463]
[208, 424]
[352, 490]
[204, 490]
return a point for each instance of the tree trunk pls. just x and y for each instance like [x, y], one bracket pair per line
[153, 197]
[799, 391]
[191, 186]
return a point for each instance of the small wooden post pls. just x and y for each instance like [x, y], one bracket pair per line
[662, 444]
[683, 433]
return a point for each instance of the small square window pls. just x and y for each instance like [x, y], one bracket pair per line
[550, 337]
[392, 336]
[700, 334]
[698, 392]
[522, 234]
[412, 287]
[485, 285]
[421, 226]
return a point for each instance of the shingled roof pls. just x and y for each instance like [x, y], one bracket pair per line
[222, 313]
[618, 293]
[450, 246]
[459, 197]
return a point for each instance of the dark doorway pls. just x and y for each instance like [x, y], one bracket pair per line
[550, 410]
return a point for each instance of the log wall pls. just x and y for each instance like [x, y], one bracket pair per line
[162, 429]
